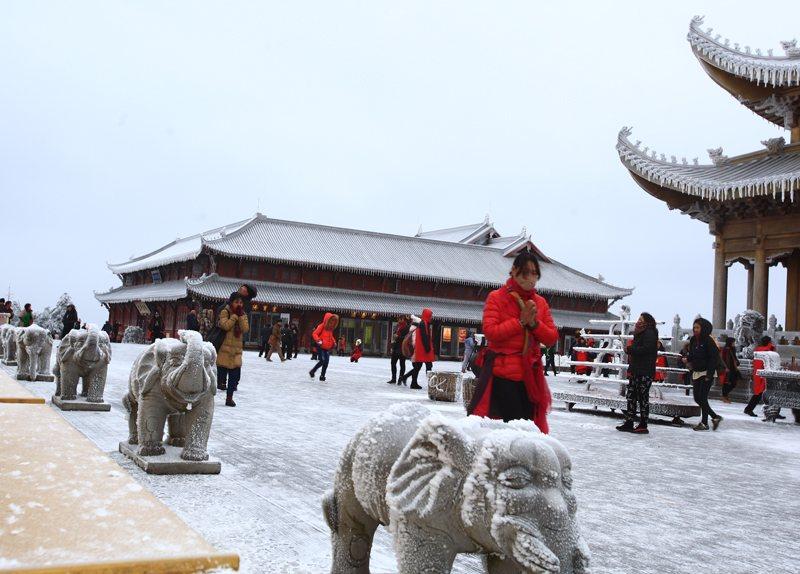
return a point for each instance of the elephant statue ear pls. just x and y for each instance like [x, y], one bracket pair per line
[427, 475]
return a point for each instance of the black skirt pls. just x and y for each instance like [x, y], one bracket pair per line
[509, 400]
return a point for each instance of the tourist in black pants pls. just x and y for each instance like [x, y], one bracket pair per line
[731, 376]
[263, 340]
[397, 352]
[642, 355]
[702, 360]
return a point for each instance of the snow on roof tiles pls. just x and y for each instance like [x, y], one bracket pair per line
[348, 301]
[766, 173]
[395, 255]
[176, 251]
[778, 71]
[167, 291]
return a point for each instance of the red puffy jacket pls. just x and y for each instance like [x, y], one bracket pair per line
[506, 336]
[324, 331]
[424, 331]
[759, 382]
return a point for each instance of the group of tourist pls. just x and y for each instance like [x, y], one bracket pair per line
[279, 339]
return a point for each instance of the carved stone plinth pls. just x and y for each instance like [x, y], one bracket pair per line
[783, 391]
[10, 363]
[668, 406]
[443, 386]
[170, 462]
[79, 404]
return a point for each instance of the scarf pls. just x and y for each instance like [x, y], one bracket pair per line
[535, 383]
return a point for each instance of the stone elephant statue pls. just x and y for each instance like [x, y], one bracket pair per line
[84, 354]
[34, 348]
[173, 381]
[445, 487]
[8, 336]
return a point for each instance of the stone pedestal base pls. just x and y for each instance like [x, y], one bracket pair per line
[79, 404]
[170, 462]
[43, 378]
[11, 363]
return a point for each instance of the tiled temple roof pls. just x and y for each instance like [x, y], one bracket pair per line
[395, 256]
[348, 301]
[771, 172]
[775, 71]
[167, 291]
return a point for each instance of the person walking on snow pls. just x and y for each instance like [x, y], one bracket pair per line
[286, 342]
[550, 360]
[469, 349]
[295, 340]
[357, 352]
[642, 355]
[156, 327]
[759, 382]
[326, 341]
[516, 321]
[342, 346]
[275, 343]
[397, 351]
[232, 320]
[423, 347]
[731, 374]
[702, 360]
[192, 322]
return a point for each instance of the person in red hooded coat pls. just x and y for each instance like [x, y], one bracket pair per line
[516, 321]
[423, 348]
[326, 341]
[759, 382]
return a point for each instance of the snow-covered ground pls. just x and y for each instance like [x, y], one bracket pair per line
[673, 501]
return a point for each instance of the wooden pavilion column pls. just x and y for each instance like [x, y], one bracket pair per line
[793, 292]
[720, 285]
[749, 286]
[761, 281]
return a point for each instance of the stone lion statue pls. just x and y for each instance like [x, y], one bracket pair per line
[748, 328]
[445, 487]
[173, 382]
[83, 355]
[34, 348]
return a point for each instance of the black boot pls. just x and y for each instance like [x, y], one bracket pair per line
[627, 426]
[641, 428]
[392, 382]
[229, 401]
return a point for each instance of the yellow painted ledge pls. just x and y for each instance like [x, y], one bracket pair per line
[13, 392]
[66, 506]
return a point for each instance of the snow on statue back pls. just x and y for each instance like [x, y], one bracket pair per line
[34, 347]
[8, 334]
[83, 354]
[173, 381]
[450, 486]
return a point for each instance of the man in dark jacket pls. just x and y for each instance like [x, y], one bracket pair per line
[642, 354]
[286, 342]
[703, 361]
[156, 327]
[397, 352]
[192, 323]
[263, 339]
[295, 338]
[69, 321]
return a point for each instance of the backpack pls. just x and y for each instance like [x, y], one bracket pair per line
[216, 336]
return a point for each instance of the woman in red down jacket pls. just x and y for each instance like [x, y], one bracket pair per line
[325, 339]
[661, 361]
[423, 348]
[759, 382]
[516, 320]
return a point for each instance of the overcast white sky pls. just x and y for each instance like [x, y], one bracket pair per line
[126, 124]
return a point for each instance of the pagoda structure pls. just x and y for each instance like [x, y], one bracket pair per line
[750, 202]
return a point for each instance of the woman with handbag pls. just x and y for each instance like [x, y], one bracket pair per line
[516, 321]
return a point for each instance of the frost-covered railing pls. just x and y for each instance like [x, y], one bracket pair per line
[616, 350]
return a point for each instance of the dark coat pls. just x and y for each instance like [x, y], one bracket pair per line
[642, 353]
[69, 320]
[703, 351]
[192, 324]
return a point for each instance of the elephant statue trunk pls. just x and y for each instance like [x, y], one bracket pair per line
[189, 381]
[83, 355]
[90, 350]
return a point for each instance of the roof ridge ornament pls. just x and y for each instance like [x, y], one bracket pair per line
[717, 157]
[775, 146]
[790, 48]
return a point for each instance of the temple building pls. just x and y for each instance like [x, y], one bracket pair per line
[750, 201]
[303, 270]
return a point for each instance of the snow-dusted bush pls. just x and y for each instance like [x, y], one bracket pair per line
[50, 318]
[133, 335]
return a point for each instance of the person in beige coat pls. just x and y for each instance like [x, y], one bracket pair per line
[232, 320]
[275, 342]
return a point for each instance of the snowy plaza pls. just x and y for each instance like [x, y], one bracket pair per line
[673, 501]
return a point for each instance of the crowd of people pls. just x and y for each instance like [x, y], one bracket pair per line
[510, 358]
